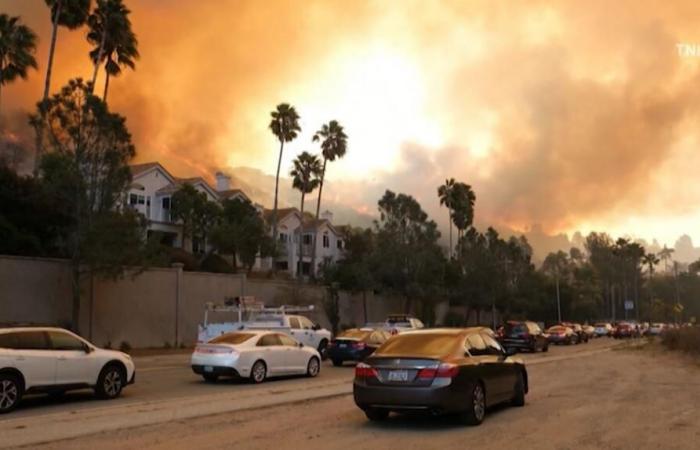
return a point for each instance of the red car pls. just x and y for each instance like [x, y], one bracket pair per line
[625, 330]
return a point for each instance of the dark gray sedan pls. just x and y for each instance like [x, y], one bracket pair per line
[439, 371]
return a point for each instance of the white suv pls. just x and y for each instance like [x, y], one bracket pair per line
[54, 360]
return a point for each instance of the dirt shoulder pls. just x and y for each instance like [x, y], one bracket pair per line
[620, 399]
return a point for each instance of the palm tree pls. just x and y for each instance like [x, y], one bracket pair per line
[285, 126]
[334, 144]
[650, 260]
[446, 193]
[463, 208]
[665, 255]
[110, 32]
[71, 14]
[305, 178]
[17, 47]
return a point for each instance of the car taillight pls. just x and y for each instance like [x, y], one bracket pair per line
[363, 370]
[359, 345]
[331, 343]
[444, 370]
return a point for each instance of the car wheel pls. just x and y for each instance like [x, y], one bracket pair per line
[110, 382]
[376, 414]
[519, 391]
[313, 367]
[210, 377]
[545, 349]
[258, 372]
[323, 349]
[10, 393]
[476, 407]
[337, 362]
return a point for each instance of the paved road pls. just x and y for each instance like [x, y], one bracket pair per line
[166, 390]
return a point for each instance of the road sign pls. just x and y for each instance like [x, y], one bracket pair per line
[629, 305]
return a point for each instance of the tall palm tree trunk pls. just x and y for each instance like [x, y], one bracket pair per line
[301, 240]
[100, 54]
[318, 211]
[47, 85]
[274, 208]
[104, 95]
[52, 49]
[449, 220]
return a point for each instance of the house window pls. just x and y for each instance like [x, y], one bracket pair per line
[283, 237]
[326, 241]
[141, 200]
[307, 239]
[339, 243]
[133, 199]
[166, 202]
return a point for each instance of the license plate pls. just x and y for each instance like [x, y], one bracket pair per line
[208, 369]
[398, 375]
[342, 345]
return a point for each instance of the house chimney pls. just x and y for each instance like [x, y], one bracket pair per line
[223, 182]
[327, 215]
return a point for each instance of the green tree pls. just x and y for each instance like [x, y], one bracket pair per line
[86, 169]
[17, 48]
[334, 143]
[285, 126]
[463, 207]
[241, 233]
[305, 178]
[115, 44]
[186, 204]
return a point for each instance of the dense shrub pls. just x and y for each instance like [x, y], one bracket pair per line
[684, 339]
[215, 263]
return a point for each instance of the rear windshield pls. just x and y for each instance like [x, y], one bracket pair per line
[557, 329]
[516, 328]
[232, 338]
[419, 345]
[354, 334]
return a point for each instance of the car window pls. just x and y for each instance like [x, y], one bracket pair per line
[232, 338]
[294, 323]
[420, 345]
[306, 324]
[7, 340]
[492, 345]
[269, 340]
[31, 340]
[475, 345]
[64, 341]
[287, 341]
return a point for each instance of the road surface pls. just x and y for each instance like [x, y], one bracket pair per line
[586, 396]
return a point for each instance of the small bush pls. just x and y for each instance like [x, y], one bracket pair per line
[215, 263]
[683, 339]
[125, 347]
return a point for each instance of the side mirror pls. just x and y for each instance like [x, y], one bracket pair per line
[301, 344]
[316, 327]
[87, 349]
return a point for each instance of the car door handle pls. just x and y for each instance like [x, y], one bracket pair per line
[20, 358]
[61, 358]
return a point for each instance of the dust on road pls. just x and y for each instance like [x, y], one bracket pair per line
[622, 399]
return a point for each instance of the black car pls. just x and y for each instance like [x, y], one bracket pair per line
[578, 329]
[438, 371]
[355, 344]
[523, 336]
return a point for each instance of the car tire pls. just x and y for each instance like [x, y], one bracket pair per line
[10, 392]
[110, 382]
[519, 391]
[376, 414]
[313, 368]
[210, 377]
[258, 372]
[323, 349]
[545, 349]
[337, 362]
[476, 407]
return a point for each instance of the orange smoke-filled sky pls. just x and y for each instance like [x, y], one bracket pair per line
[568, 115]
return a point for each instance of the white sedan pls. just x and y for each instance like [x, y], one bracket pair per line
[256, 355]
